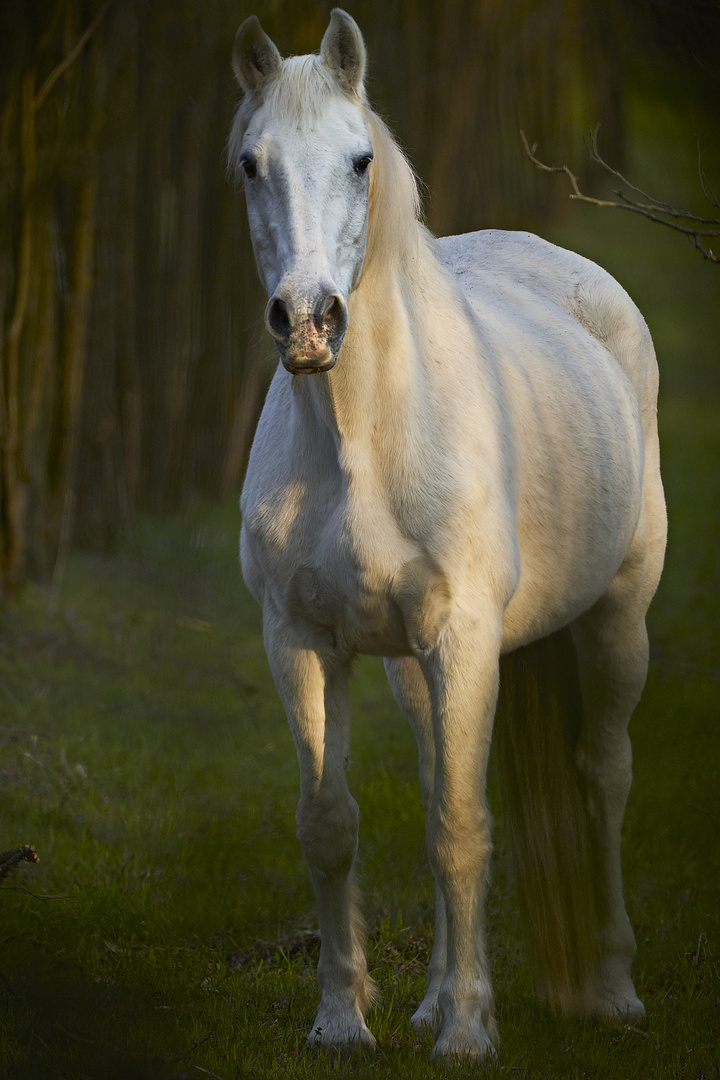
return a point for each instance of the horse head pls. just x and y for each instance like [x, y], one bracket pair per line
[302, 141]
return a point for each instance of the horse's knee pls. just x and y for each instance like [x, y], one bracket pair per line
[459, 843]
[327, 828]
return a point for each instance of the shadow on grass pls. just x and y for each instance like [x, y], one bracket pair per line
[60, 1021]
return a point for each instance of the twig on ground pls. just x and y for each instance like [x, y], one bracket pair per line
[637, 1031]
[652, 209]
[37, 896]
[699, 947]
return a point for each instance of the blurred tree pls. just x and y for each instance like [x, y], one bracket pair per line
[123, 289]
[132, 357]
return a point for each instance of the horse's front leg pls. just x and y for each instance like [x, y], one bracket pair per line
[462, 672]
[314, 692]
[412, 695]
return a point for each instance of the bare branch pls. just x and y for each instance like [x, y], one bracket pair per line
[670, 211]
[654, 204]
[653, 209]
[577, 194]
[706, 189]
[594, 155]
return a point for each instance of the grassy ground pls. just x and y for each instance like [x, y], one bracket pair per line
[144, 752]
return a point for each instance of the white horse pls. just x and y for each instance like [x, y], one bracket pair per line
[457, 461]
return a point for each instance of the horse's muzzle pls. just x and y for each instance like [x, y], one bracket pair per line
[307, 352]
[308, 369]
[307, 345]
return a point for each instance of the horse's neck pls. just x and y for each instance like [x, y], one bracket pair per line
[374, 395]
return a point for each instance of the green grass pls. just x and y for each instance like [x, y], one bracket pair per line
[143, 750]
[145, 753]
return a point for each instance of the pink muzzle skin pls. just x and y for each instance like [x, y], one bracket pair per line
[307, 351]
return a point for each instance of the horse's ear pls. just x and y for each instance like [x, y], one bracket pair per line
[343, 51]
[255, 56]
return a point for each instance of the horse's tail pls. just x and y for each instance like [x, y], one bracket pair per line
[537, 726]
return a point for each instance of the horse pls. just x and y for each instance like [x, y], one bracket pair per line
[456, 468]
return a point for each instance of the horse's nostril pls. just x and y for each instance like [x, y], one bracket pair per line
[278, 319]
[332, 318]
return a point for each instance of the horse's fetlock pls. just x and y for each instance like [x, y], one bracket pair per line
[468, 1027]
[343, 974]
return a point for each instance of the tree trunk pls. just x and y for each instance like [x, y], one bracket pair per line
[14, 493]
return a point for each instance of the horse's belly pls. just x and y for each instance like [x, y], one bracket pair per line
[580, 460]
[568, 560]
[541, 606]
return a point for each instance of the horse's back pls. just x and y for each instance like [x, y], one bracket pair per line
[527, 277]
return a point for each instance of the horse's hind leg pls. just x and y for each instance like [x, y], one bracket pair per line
[412, 695]
[612, 650]
[315, 697]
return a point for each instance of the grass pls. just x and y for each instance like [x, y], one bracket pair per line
[144, 752]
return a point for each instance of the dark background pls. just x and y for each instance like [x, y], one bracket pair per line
[132, 356]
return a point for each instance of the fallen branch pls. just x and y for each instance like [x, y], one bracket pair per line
[654, 209]
[10, 859]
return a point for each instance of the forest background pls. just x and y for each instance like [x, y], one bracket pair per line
[132, 354]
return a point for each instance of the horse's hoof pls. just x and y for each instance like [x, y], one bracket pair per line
[348, 1036]
[426, 1017]
[471, 1043]
[620, 1006]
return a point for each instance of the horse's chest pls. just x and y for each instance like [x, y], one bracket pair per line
[332, 569]
[346, 586]
[356, 610]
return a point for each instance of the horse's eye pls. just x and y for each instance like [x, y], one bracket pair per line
[249, 165]
[361, 163]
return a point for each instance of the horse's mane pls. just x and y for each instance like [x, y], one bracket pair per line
[394, 198]
[300, 92]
